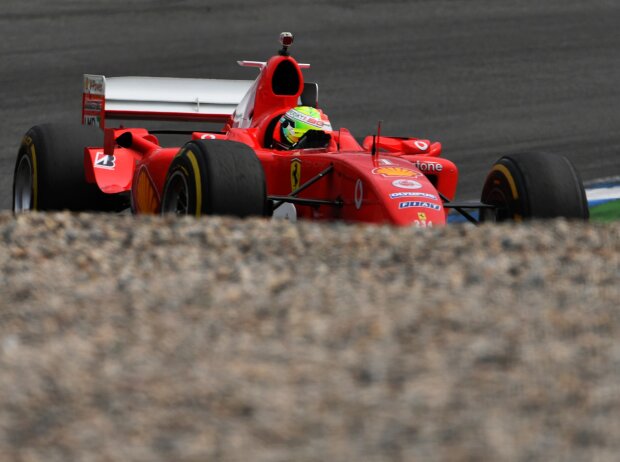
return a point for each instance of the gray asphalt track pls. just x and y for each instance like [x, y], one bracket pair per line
[484, 77]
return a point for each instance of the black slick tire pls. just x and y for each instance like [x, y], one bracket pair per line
[534, 186]
[215, 177]
[49, 171]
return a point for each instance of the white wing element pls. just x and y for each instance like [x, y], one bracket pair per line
[162, 98]
[262, 64]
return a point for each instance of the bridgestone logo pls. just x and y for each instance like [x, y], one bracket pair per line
[104, 161]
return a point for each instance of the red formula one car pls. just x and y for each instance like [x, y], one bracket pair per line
[245, 168]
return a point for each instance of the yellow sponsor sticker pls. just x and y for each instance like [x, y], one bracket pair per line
[396, 172]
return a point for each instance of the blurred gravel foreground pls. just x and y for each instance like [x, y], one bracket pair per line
[150, 339]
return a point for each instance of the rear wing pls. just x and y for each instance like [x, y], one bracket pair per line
[159, 98]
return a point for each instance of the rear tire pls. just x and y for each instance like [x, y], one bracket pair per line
[533, 185]
[49, 171]
[215, 177]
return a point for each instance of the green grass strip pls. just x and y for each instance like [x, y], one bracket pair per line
[609, 211]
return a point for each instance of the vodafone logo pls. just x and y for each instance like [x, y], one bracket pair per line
[421, 145]
[406, 184]
[428, 167]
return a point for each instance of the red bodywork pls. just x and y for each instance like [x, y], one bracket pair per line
[399, 184]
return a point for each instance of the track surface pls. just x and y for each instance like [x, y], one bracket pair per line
[482, 77]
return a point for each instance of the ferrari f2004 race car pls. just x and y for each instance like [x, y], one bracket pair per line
[245, 169]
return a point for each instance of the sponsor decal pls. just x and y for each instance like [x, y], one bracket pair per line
[421, 221]
[395, 171]
[318, 123]
[94, 85]
[295, 174]
[104, 161]
[385, 162]
[93, 121]
[426, 205]
[406, 184]
[421, 145]
[92, 105]
[359, 194]
[207, 136]
[428, 167]
[400, 194]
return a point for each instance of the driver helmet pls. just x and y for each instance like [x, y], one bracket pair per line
[297, 121]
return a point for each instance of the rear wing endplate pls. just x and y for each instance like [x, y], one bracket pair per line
[159, 98]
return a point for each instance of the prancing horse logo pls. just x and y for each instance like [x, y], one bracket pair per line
[295, 174]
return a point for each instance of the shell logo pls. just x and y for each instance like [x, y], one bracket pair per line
[147, 200]
[395, 171]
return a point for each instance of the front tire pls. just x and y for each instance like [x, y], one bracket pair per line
[49, 171]
[534, 186]
[215, 177]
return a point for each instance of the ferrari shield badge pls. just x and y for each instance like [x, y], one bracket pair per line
[295, 174]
